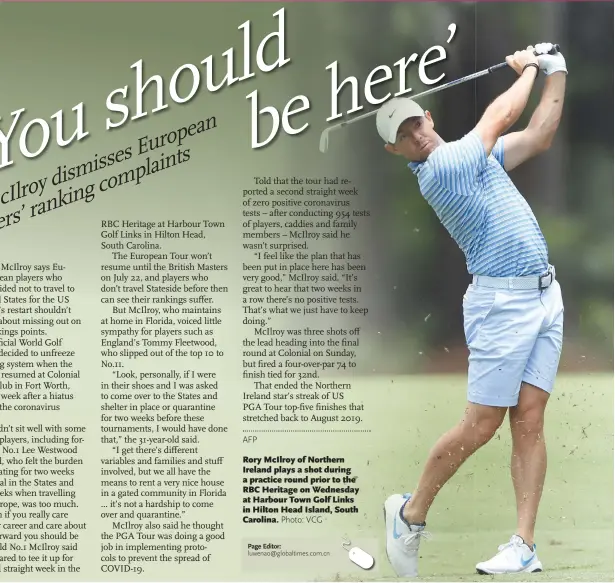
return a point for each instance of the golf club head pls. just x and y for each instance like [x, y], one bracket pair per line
[324, 140]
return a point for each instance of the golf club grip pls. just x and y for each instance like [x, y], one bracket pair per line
[554, 50]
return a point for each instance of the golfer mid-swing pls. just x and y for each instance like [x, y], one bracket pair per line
[513, 310]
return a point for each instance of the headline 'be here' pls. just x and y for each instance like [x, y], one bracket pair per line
[127, 104]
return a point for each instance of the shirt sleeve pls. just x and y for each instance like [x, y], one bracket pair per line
[457, 165]
[498, 151]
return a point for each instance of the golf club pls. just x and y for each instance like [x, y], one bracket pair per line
[324, 137]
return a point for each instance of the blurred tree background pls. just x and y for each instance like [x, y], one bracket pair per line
[420, 272]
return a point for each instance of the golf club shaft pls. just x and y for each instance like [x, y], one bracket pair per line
[442, 87]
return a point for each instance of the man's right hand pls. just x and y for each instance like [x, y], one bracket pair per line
[520, 59]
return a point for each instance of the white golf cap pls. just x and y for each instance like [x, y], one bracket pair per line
[393, 113]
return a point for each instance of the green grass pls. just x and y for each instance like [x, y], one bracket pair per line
[475, 511]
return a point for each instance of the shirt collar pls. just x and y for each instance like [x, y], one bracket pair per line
[415, 166]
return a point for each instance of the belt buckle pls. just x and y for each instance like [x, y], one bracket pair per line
[549, 274]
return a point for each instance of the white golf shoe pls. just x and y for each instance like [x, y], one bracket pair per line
[513, 557]
[402, 540]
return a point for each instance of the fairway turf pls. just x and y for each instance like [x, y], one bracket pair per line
[475, 511]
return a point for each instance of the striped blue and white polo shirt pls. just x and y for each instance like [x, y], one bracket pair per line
[482, 209]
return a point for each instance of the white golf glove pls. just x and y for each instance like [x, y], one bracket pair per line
[549, 64]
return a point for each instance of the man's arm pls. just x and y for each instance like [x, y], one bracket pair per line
[457, 165]
[538, 135]
[506, 109]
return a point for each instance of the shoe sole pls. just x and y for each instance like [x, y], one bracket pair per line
[538, 570]
[386, 533]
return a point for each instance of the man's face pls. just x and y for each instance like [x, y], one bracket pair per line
[416, 139]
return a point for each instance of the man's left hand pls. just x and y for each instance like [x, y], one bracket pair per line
[549, 64]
